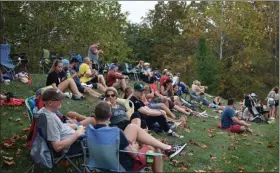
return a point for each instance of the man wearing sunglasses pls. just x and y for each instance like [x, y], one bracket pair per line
[61, 135]
[149, 116]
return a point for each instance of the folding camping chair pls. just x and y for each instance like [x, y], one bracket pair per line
[41, 125]
[127, 69]
[103, 150]
[47, 61]
[6, 62]
[30, 105]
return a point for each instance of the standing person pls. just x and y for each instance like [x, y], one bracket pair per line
[276, 103]
[271, 102]
[93, 54]
[230, 121]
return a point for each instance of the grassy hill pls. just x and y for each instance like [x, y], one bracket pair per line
[209, 149]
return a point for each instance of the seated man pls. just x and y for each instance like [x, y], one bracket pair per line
[128, 141]
[230, 122]
[83, 89]
[128, 92]
[61, 135]
[90, 77]
[121, 117]
[55, 79]
[112, 77]
[149, 116]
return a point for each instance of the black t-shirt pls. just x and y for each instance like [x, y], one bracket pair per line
[53, 77]
[125, 160]
[137, 103]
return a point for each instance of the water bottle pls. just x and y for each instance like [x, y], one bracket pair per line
[68, 75]
[149, 157]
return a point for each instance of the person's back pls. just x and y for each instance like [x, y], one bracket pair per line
[111, 79]
[227, 115]
[92, 53]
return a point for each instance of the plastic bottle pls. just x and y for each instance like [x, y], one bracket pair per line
[68, 75]
[149, 157]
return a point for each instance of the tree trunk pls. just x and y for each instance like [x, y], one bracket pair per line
[222, 33]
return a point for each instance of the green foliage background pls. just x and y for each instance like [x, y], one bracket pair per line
[241, 38]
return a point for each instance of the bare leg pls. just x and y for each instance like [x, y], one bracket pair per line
[69, 84]
[135, 133]
[167, 110]
[276, 111]
[75, 115]
[243, 128]
[101, 87]
[136, 121]
[273, 111]
[102, 80]
[158, 163]
[123, 84]
[92, 92]
[88, 120]
[182, 110]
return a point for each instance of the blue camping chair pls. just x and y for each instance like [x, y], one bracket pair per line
[103, 149]
[6, 62]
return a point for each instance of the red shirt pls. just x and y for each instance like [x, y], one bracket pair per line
[112, 77]
[162, 79]
[153, 87]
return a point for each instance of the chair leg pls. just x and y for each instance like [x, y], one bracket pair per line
[73, 164]
[31, 168]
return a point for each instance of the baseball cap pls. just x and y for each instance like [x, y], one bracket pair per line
[138, 86]
[53, 94]
[113, 66]
[65, 62]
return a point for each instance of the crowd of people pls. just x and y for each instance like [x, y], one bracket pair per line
[153, 103]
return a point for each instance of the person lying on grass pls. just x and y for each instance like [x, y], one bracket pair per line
[55, 80]
[129, 139]
[121, 117]
[72, 67]
[149, 116]
[61, 135]
[231, 122]
[91, 77]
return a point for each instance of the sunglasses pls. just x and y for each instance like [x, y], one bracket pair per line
[110, 95]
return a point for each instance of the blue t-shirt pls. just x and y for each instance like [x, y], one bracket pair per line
[227, 114]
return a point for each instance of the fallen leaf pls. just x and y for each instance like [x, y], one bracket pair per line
[9, 162]
[208, 168]
[7, 158]
[211, 135]
[18, 119]
[187, 130]
[234, 157]
[204, 146]
[259, 142]
[222, 147]
[18, 152]
[240, 169]
[231, 148]
[248, 144]
[174, 162]
[210, 130]
[270, 146]
[26, 129]
[24, 145]
[15, 137]
[190, 154]
[10, 118]
[164, 140]
[193, 143]
[219, 133]
[199, 171]
[24, 137]
[4, 113]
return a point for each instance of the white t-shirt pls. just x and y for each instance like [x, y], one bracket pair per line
[175, 80]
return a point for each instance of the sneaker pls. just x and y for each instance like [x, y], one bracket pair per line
[175, 135]
[74, 97]
[175, 150]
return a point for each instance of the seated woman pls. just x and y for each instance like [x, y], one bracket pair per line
[121, 117]
[197, 88]
[55, 80]
[167, 90]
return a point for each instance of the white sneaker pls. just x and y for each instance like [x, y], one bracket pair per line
[68, 94]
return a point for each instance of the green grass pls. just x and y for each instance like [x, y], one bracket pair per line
[255, 152]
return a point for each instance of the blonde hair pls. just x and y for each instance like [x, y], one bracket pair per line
[55, 64]
[111, 89]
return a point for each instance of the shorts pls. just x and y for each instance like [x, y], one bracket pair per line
[234, 128]
[139, 162]
[154, 105]
[94, 85]
[271, 102]
[156, 100]
[276, 102]
[138, 115]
